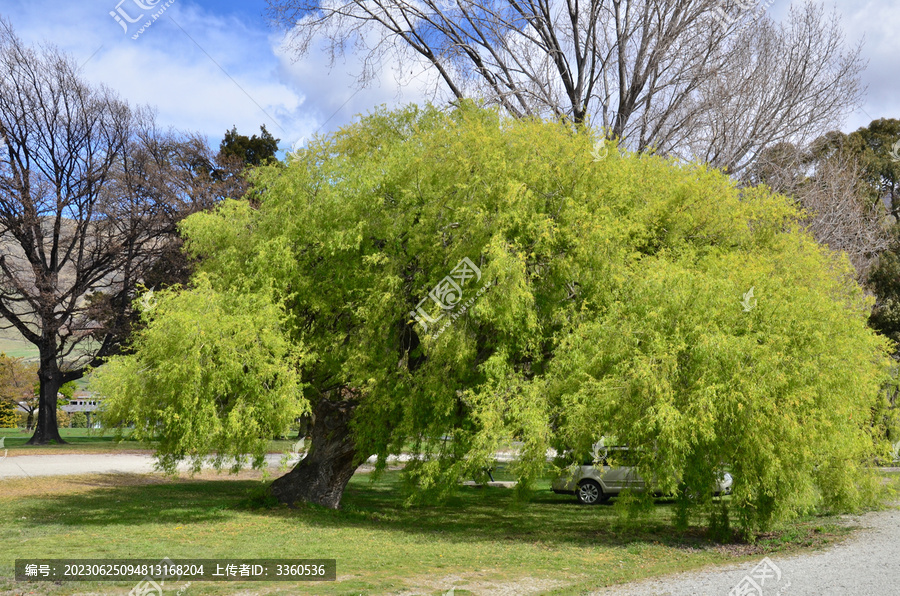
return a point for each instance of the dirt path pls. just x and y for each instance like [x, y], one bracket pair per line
[867, 564]
[23, 466]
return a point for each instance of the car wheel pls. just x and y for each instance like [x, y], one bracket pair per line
[590, 493]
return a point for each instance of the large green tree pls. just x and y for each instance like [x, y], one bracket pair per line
[878, 148]
[459, 280]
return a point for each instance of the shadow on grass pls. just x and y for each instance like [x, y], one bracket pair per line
[136, 499]
[492, 514]
[472, 515]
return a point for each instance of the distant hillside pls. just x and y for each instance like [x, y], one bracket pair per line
[11, 341]
[12, 344]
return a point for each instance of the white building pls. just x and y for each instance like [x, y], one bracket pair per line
[83, 401]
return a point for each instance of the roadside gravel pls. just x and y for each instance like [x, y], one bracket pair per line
[866, 564]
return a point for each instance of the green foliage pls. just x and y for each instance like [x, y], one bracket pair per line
[253, 151]
[211, 373]
[876, 145]
[681, 369]
[8, 416]
[67, 391]
[884, 280]
[77, 420]
[609, 303]
[18, 384]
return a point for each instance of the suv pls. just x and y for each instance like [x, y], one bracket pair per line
[593, 483]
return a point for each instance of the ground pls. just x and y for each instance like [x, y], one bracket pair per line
[864, 565]
[480, 542]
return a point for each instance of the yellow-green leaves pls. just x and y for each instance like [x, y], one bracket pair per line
[780, 394]
[611, 301]
[212, 374]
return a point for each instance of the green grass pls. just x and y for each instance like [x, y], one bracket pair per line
[13, 344]
[78, 440]
[479, 541]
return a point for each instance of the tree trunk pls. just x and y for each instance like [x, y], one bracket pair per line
[322, 475]
[46, 430]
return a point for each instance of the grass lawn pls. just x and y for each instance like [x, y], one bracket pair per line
[482, 540]
[78, 440]
[14, 345]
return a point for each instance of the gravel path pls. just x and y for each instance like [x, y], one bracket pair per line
[866, 564]
[25, 466]
[64, 464]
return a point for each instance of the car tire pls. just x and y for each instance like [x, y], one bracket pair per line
[590, 493]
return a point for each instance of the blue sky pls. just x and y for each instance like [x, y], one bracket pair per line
[207, 65]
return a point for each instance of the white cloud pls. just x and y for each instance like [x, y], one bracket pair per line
[247, 78]
[877, 23]
[166, 69]
[332, 95]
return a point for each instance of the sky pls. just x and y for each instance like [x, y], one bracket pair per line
[208, 65]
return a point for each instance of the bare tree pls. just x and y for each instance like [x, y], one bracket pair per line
[90, 193]
[714, 80]
[841, 217]
[830, 187]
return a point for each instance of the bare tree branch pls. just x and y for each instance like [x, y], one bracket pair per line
[714, 80]
[90, 195]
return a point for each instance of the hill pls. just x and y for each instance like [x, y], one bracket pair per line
[13, 344]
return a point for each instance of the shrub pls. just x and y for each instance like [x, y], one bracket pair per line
[77, 420]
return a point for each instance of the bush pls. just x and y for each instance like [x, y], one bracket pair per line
[8, 416]
[77, 420]
[63, 419]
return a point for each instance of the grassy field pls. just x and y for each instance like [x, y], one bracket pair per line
[79, 440]
[13, 344]
[480, 541]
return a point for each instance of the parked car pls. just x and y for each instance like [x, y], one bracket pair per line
[596, 481]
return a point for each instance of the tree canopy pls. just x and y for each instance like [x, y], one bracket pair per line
[878, 148]
[252, 151]
[90, 191]
[18, 387]
[458, 281]
[234, 385]
[832, 183]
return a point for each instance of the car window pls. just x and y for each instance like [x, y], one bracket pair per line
[617, 457]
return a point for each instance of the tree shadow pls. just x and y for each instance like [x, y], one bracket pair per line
[471, 515]
[136, 499]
